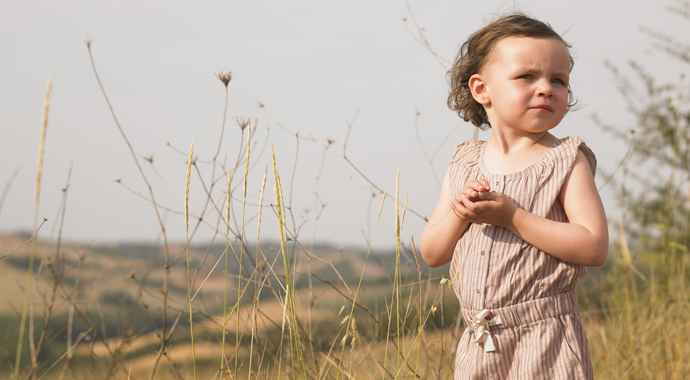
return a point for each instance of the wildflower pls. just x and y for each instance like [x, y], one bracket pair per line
[225, 78]
[242, 122]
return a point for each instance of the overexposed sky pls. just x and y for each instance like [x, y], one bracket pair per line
[314, 64]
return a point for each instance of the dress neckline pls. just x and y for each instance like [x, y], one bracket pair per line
[522, 172]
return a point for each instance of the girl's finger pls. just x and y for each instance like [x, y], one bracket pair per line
[476, 184]
[460, 210]
[485, 183]
[488, 195]
[455, 209]
[468, 204]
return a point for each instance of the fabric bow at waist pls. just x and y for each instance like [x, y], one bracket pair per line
[481, 326]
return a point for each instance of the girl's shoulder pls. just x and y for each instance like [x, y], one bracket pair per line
[467, 151]
[569, 147]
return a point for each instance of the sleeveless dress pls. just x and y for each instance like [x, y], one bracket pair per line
[519, 302]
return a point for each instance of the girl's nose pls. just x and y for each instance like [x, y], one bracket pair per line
[544, 88]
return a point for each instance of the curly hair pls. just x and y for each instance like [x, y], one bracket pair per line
[473, 55]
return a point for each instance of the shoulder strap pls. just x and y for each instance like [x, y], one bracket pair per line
[560, 164]
[464, 158]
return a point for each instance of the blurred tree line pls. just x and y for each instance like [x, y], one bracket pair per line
[654, 192]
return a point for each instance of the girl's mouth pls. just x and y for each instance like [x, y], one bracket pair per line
[545, 107]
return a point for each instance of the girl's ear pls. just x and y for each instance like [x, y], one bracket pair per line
[478, 89]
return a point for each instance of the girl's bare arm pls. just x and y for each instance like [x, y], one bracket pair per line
[583, 240]
[443, 229]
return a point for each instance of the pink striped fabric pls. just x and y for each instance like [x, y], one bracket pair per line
[541, 335]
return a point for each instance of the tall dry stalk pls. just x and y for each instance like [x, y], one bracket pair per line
[165, 334]
[419, 273]
[359, 285]
[397, 260]
[186, 226]
[255, 300]
[57, 273]
[290, 296]
[239, 280]
[37, 193]
[395, 297]
[228, 198]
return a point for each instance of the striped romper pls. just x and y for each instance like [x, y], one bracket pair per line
[519, 303]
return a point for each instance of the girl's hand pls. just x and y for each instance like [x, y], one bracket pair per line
[472, 189]
[491, 208]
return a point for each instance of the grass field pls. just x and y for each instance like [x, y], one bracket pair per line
[635, 320]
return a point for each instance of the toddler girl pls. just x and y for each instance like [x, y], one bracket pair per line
[519, 216]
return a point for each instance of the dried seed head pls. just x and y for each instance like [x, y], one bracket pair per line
[225, 78]
[242, 122]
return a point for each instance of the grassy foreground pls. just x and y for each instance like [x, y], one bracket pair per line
[109, 317]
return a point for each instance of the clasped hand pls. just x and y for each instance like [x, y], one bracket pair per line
[476, 203]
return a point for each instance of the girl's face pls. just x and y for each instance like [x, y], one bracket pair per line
[523, 86]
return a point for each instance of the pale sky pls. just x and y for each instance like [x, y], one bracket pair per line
[314, 64]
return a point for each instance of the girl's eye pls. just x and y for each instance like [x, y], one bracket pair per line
[558, 80]
[525, 76]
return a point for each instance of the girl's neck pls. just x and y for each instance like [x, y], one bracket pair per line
[507, 143]
[505, 154]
